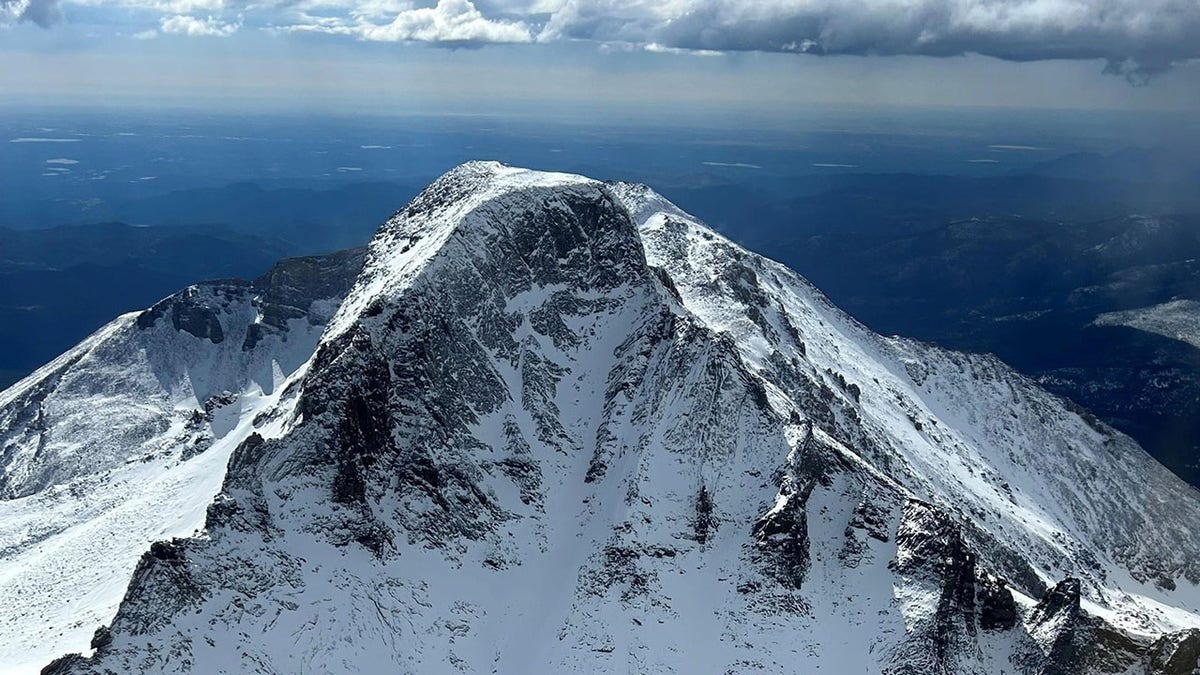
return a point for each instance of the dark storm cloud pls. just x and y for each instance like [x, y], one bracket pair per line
[1136, 38]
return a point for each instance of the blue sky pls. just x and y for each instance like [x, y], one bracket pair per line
[767, 55]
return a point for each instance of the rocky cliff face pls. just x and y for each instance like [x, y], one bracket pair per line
[560, 426]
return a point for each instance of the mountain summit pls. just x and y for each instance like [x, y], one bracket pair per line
[558, 425]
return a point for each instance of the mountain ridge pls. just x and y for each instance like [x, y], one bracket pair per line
[123, 440]
[559, 424]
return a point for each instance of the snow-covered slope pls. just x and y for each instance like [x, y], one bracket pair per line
[1178, 320]
[560, 426]
[123, 441]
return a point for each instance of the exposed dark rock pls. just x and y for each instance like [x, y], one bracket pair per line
[101, 638]
[193, 310]
[620, 568]
[1075, 642]
[871, 516]
[1059, 603]
[162, 586]
[64, 665]
[242, 507]
[363, 432]
[287, 291]
[165, 550]
[782, 533]
[931, 551]
[201, 322]
[997, 608]
[705, 522]
[149, 317]
[596, 470]
[219, 401]
[667, 282]
[519, 464]
[255, 333]
[871, 520]
[1175, 654]
[289, 288]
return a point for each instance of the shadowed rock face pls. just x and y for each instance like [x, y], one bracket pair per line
[997, 609]
[517, 448]
[931, 552]
[287, 291]
[1176, 654]
[196, 312]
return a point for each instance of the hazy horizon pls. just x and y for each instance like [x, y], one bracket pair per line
[329, 56]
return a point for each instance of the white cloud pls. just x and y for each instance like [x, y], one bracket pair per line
[167, 7]
[44, 13]
[450, 21]
[526, 7]
[164, 6]
[305, 23]
[185, 6]
[194, 26]
[377, 9]
[663, 49]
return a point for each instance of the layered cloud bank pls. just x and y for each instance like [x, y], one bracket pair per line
[1134, 37]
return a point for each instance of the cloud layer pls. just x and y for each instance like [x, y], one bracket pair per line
[1136, 38]
[194, 26]
[44, 13]
[450, 21]
[1133, 36]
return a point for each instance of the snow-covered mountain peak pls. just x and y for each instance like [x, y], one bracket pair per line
[559, 425]
[486, 209]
